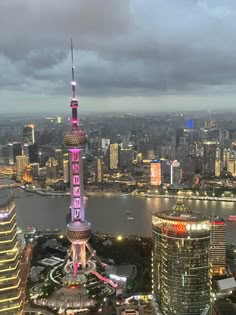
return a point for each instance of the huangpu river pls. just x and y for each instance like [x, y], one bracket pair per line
[108, 215]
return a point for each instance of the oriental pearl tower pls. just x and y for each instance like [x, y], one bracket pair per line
[78, 229]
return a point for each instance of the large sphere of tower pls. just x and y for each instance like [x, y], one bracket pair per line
[78, 232]
[76, 138]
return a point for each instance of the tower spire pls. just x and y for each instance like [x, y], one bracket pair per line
[73, 83]
[74, 102]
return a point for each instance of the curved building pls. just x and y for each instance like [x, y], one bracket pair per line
[10, 295]
[181, 273]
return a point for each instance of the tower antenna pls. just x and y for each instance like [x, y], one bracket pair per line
[73, 83]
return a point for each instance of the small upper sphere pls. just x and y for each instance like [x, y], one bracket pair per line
[75, 139]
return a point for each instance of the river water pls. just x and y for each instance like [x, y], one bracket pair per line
[107, 215]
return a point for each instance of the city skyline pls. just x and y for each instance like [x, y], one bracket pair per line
[131, 56]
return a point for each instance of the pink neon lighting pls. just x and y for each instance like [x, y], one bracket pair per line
[76, 191]
[76, 203]
[76, 266]
[76, 180]
[75, 155]
[74, 121]
[75, 168]
[114, 285]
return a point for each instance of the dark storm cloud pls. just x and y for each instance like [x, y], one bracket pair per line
[122, 47]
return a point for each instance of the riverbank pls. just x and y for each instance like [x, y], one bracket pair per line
[87, 193]
[176, 196]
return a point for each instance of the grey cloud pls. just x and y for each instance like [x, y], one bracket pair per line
[122, 47]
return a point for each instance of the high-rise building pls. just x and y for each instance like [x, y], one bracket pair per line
[218, 247]
[11, 302]
[28, 134]
[209, 156]
[155, 168]
[114, 156]
[231, 166]
[35, 169]
[126, 161]
[59, 158]
[66, 171]
[175, 173]
[99, 170]
[21, 162]
[31, 150]
[105, 145]
[181, 253]
[217, 167]
[15, 149]
[52, 169]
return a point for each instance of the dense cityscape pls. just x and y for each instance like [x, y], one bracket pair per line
[120, 200]
[180, 156]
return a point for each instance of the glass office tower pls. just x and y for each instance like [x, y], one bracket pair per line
[181, 280]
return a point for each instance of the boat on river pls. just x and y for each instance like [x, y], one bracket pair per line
[232, 217]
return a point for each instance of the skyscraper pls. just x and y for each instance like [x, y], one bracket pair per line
[31, 150]
[114, 156]
[52, 169]
[15, 149]
[59, 158]
[175, 173]
[10, 295]
[155, 169]
[21, 162]
[28, 134]
[181, 280]
[99, 170]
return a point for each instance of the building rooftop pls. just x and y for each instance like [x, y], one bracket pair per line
[180, 212]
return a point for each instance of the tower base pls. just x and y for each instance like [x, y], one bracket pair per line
[70, 279]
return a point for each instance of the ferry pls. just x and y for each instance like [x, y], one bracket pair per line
[130, 218]
[232, 218]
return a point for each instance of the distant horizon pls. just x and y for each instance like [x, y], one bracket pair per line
[120, 112]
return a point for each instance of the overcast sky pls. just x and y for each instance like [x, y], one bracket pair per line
[129, 55]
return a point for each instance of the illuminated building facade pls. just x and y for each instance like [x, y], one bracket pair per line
[155, 168]
[66, 171]
[217, 167]
[114, 156]
[21, 162]
[99, 170]
[218, 247]
[181, 252]
[59, 158]
[27, 176]
[175, 173]
[10, 296]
